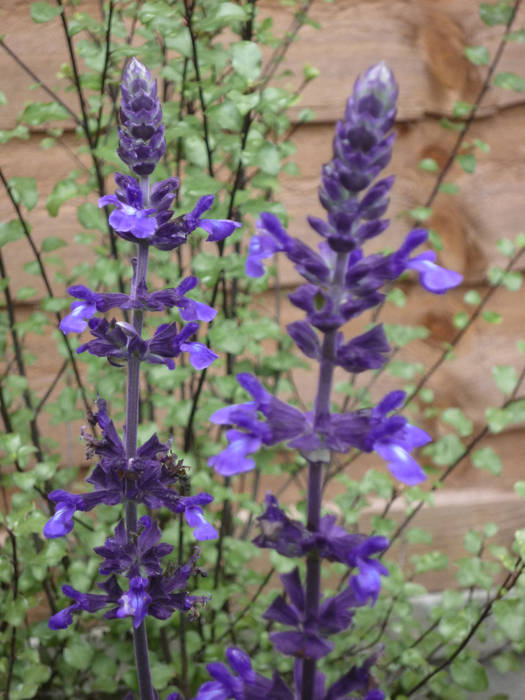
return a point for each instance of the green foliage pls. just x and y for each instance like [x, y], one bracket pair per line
[238, 157]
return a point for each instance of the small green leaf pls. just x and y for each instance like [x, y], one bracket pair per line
[473, 542]
[472, 297]
[492, 317]
[90, 216]
[456, 418]
[469, 674]
[478, 55]
[244, 103]
[451, 126]
[506, 377]
[78, 654]
[429, 165]
[310, 72]
[24, 191]
[506, 246]
[10, 231]
[420, 213]
[36, 113]
[449, 188]
[461, 319]
[510, 81]
[44, 12]
[461, 109]
[52, 243]
[25, 293]
[247, 60]
[493, 13]
[518, 35]
[62, 191]
[467, 162]
[519, 487]
[478, 143]
[488, 459]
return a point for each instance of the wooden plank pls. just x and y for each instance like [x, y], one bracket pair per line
[423, 42]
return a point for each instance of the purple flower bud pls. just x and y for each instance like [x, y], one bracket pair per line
[141, 136]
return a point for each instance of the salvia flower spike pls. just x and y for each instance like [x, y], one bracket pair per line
[138, 581]
[341, 282]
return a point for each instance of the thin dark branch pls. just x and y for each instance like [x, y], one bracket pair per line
[442, 477]
[44, 87]
[107, 54]
[506, 586]
[278, 55]
[50, 388]
[19, 358]
[12, 641]
[470, 119]
[189, 8]
[47, 285]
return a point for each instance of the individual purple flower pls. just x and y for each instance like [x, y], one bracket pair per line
[243, 684]
[202, 530]
[366, 584]
[217, 229]
[62, 521]
[168, 342]
[110, 341]
[433, 278]
[393, 438]
[284, 422]
[134, 603]
[288, 537]
[129, 217]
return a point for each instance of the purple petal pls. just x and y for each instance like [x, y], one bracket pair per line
[219, 229]
[195, 519]
[401, 464]
[200, 355]
[75, 321]
[432, 277]
[197, 311]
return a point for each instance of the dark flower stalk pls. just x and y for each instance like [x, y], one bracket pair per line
[127, 474]
[140, 639]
